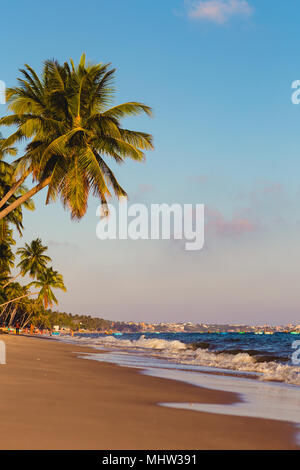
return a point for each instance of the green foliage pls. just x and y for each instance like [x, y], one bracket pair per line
[33, 260]
[43, 319]
[7, 256]
[7, 181]
[48, 279]
[76, 322]
[65, 113]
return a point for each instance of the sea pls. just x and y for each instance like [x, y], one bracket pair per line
[263, 370]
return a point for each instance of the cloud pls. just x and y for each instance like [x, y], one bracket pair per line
[262, 208]
[218, 11]
[143, 190]
[271, 188]
[266, 200]
[218, 226]
[197, 179]
[238, 225]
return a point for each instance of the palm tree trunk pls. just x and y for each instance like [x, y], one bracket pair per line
[14, 188]
[3, 311]
[25, 197]
[7, 315]
[27, 321]
[12, 315]
[18, 298]
[11, 280]
[23, 321]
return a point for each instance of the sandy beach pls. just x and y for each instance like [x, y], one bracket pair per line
[51, 399]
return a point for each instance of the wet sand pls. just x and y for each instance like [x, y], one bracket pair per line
[51, 399]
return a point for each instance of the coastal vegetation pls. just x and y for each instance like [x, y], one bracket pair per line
[70, 127]
[65, 116]
[16, 303]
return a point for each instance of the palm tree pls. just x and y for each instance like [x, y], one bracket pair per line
[7, 172]
[46, 281]
[7, 258]
[66, 115]
[5, 150]
[14, 218]
[15, 292]
[30, 310]
[33, 260]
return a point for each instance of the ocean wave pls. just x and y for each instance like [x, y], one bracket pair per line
[267, 367]
[243, 362]
[141, 343]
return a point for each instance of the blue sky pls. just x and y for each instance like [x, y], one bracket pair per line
[218, 75]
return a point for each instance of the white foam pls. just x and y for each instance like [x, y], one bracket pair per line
[260, 400]
[257, 399]
[179, 353]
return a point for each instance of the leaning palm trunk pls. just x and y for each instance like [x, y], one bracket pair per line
[12, 316]
[11, 280]
[23, 323]
[3, 311]
[7, 315]
[27, 321]
[24, 198]
[18, 298]
[15, 187]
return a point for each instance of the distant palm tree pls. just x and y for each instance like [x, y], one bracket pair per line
[30, 308]
[33, 260]
[15, 292]
[66, 115]
[46, 281]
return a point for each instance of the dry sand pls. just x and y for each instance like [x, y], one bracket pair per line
[51, 399]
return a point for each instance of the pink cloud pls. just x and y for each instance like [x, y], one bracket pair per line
[264, 196]
[274, 188]
[236, 226]
[218, 11]
[142, 190]
[197, 178]
[146, 188]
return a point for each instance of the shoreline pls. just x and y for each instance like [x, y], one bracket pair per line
[52, 399]
[269, 361]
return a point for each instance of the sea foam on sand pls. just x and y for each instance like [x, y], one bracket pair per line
[180, 353]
